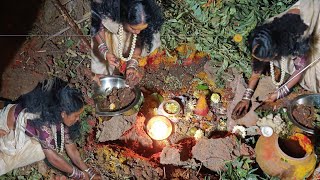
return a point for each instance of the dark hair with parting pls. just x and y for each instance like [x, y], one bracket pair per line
[282, 36]
[132, 12]
[48, 99]
[101, 9]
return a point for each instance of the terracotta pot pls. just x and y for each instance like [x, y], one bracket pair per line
[275, 162]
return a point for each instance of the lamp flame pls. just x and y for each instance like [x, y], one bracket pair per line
[159, 127]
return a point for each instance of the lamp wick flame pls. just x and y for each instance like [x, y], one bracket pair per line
[159, 128]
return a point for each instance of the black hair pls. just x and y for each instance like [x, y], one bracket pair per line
[132, 12]
[281, 37]
[49, 99]
[101, 9]
[151, 14]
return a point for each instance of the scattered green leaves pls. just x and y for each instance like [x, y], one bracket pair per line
[14, 174]
[239, 169]
[212, 28]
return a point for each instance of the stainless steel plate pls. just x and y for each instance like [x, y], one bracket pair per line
[109, 82]
[309, 100]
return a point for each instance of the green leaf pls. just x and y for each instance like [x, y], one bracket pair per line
[202, 87]
[69, 43]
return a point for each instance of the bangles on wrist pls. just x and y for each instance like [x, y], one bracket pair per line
[133, 63]
[283, 91]
[247, 95]
[103, 49]
[90, 172]
[76, 173]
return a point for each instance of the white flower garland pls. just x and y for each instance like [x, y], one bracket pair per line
[54, 132]
[283, 73]
[120, 47]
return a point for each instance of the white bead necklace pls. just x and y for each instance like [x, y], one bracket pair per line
[54, 132]
[120, 47]
[282, 64]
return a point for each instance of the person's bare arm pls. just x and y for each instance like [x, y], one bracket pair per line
[106, 54]
[74, 155]
[254, 79]
[242, 107]
[60, 163]
[282, 92]
[57, 161]
[295, 80]
[133, 76]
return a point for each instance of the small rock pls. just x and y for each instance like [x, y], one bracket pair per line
[214, 153]
[115, 127]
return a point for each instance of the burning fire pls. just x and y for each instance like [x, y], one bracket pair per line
[159, 127]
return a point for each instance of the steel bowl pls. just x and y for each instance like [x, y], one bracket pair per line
[308, 100]
[109, 82]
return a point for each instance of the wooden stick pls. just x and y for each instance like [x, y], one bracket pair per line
[85, 17]
[298, 73]
[71, 22]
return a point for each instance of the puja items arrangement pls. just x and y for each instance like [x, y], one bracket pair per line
[114, 97]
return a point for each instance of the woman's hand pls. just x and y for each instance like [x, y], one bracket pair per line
[96, 79]
[241, 109]
[86, 176]
[97, 176]
[133, 77]
[113, 60]
[3, 133]
[271, 97]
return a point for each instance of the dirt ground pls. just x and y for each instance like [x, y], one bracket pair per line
[26, 60]
[172, 78]
[33, 58]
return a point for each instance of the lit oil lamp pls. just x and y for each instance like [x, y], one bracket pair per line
[159, 127]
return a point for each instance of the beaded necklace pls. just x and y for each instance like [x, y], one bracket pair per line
[282, 72]
[120, 47]
[55, 135]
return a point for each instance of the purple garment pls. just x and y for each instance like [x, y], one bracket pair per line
[44, 133]
[300, 62]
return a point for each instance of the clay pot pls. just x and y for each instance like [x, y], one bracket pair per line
[275, 162]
